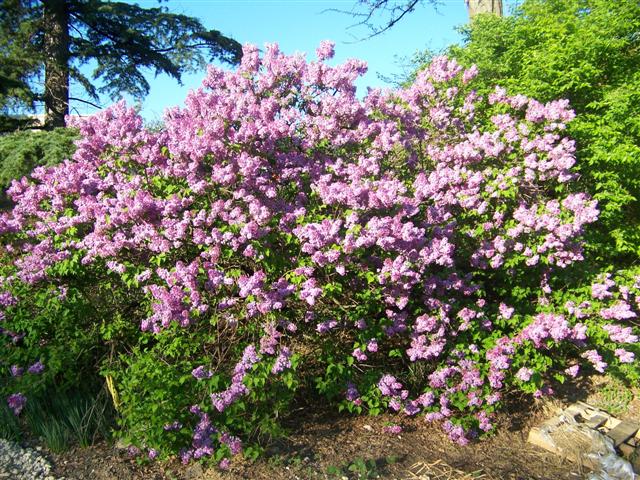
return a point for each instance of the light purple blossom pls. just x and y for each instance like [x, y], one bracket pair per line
[573, 370]
[326, 50]
[392, 429]
[201, 373]
[283, 361]
[16, 402]
[596, 360]
[37, 368]
[624, 356]
[505, 311]
[621, 310]
[620, 334]
[524, 374]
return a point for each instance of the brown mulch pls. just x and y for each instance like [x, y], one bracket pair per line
[324, 445]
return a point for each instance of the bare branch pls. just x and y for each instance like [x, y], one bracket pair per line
[85, 101]
[395, 9]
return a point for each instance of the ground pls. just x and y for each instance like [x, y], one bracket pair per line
[323, 445]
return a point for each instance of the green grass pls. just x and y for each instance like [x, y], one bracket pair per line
[614, 397]
[69, 418]
[9, 425]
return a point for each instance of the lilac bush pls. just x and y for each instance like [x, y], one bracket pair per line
[398, 251]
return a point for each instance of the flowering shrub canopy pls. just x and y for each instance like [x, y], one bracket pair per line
[397, 251]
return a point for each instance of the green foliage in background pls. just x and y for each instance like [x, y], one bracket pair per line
[22, 151]
[587, 51]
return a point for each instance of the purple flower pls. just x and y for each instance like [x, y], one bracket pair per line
[524, 374]
[326, 50]
[393, 429]
[37, 368]
[624, 356]
[573, 370]
[361, 324]
[326, 326]
[172, 426]
[505, 311]
[595, 359]
[133, 451]
[234, 443]
[283, 361]
[389, 386]
[619, 311]
[201, 372]
[601, 290]
[359, 355]
[620, 334]
[352, 392]
[484, 421]
[16, 402]
[7, 299]
[16, 371]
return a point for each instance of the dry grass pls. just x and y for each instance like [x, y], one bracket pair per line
[440, 470]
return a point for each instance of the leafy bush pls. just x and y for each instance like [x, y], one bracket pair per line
[587, 51]
[407, 251]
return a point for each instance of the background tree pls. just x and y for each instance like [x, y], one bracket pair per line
[44, 44]
[19, 61]
[587, 51]
[23, 150]
[393, 11]
[476, 7]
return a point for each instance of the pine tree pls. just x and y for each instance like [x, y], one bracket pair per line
[43, 44]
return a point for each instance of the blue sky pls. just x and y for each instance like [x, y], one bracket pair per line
[300, 25]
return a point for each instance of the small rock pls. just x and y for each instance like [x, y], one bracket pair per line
[634, 459]
[121, 445]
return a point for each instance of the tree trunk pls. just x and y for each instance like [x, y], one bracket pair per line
[476, 7]
[56, 66]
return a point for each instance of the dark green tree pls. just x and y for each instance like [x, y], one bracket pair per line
[43, 44]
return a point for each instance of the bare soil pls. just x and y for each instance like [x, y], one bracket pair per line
[324, 445]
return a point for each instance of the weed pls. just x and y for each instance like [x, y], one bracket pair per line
[359, 469]
[614, 397]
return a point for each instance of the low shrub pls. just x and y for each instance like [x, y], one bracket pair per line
[411, 251]
[22, 151]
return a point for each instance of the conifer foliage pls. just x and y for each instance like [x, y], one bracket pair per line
[50, 40]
